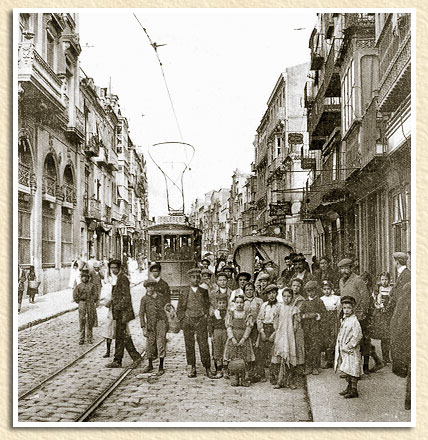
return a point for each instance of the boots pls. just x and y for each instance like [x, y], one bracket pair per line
[107, 354]
[353, 391]
[348, 388]
[378, 363]
[161, 370]
[149, 367]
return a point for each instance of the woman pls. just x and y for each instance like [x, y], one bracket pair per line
[74, 275]
[33, 284]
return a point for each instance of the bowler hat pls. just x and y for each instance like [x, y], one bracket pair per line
[348, 300]
[344, 262]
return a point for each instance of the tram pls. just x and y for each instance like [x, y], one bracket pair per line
[177, 247]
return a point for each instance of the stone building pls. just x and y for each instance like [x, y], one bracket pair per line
[358, 102]
[68, 158]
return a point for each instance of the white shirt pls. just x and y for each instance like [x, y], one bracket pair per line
[195, 289]
[401, 269]
[279, 296]
[331, 302]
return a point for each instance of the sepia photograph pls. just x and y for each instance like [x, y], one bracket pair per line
[212, 217]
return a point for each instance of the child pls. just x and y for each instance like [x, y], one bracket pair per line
[263, 280]
[153, 321]
[312, 311]
[238, 346]
[296, 285]
[280, 282]
[265, 320]
[348, 356]
[286, 349]
[381, 316]
[217, 332]
[85, 294]
[222, 284]
[331, 322]
[33, 284]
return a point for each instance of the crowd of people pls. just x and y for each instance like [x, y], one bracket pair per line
[264, 326]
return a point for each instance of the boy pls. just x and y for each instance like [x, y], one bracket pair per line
[153, 321]
[265, 320]
[85, 294]
[243, 278]
[217, 331]
[348, 356]
[332, 305]
[222, 284]
[312, 313]
[263, 280]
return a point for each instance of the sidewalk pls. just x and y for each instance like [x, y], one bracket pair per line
[381, 398]
[56, 303]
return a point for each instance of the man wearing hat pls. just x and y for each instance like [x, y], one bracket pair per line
[287, 273]
[164, 292]
[300, 270]
[85, 294]
[192, 311]
[243, 278]
[351, 284]
[403, 277]
[123, 312]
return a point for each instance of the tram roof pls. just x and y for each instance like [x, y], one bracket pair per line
[166, 227]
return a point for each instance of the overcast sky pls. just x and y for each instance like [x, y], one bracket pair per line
[221, 66]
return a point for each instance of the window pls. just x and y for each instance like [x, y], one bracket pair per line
[50, 49]
[66, 236]
[155, 248]
[334, 167]
[399, 222]
[48, 233]
[24, 236]
[348, 98]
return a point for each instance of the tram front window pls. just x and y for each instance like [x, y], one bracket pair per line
[155, 248]
[186, 247]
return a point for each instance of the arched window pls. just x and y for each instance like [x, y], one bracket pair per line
[48, 212]
[67, 217]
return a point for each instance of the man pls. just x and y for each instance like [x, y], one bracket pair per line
[300, 271]
[164, 296]
[403, 277]
[351, 284]
[287, 273]
[122, 311]
[243, 278]
[206, 283]
[192, 311]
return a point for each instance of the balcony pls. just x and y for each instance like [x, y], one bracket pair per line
[395, 63]
[102, 157]
[92, 146]
[317, 60]
[322, 119]
[309, 94]
[24, 175]
[115, 213]
[107, 214]
[112, 163]
[49, 188]
[76, 126]
[69, 195]
[331, 82]
[92, 209]
[359, 23]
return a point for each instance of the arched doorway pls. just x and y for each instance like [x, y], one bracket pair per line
[49, 211]
[67, 213]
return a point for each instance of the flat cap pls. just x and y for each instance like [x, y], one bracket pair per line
[244, 274]
[348, 300]
[263, 276]
[344, 262]
[207, 272]
[401, 255]
[222, 274]
[271, 287]
[311, 285]
[194, 271]
[149, 282]
[154, 266]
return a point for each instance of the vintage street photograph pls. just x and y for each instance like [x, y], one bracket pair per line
[213, 217]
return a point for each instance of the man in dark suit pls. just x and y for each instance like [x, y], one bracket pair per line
[404, 277]
[123, 312]
[192, 311]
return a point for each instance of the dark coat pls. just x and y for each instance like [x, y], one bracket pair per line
[121, 301]
[164, 293]
[397, 290]
[182, 302]
[330, 275]
[151, 312]
[401, 333]
[306, 277]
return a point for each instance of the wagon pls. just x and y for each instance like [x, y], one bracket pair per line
[266, 248]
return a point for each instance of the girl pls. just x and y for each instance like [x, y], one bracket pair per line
[238, 346]
[348, 356]
[286, 324]
[33, 284]
[217, 332]
[74, 275]
[331, 322]
[297, 288]
[280, 282]
[381, 316]
[108, 282]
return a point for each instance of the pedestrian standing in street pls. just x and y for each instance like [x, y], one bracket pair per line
[74, 275]
[206, 283]
[22, 279]
[229, 271]
[280, 282]
[296, 285]
[348, 356]
[96, 280]
[300, 269]
[222, 284]
[243, 278]
[263, 280]
[286, 324]
[287, 273]
[109, 333]
[33, 284]
[331, 322]
[192, 311]
[154, 323]
[164, 296]
[123, 313]
[85, 295]
[326, 272]
[238, 352]
[381, 316]
[351, 284]
[313, 314]
[217, 331]
[315, 264]
[266, 330]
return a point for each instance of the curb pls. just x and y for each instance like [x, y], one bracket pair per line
[48, 318]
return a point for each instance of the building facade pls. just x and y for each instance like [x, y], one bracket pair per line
[68, 203]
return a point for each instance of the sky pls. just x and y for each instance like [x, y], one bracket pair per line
[220, 66]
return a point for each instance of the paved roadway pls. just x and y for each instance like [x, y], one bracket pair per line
[173, 397]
